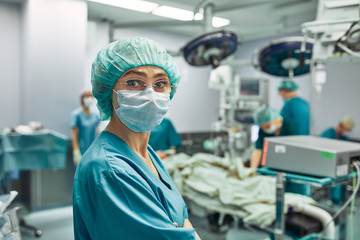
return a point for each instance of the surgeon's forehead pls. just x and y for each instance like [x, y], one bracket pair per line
[87, 94]
[145, 71]
[266, 125]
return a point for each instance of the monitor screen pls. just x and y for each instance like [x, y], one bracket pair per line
[249, 87]
[254, 133]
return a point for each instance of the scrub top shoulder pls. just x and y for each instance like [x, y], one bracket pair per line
[164, 136]
[298, 110]
[87, 125]
[288, 128]
[331, 133]
[117, 196]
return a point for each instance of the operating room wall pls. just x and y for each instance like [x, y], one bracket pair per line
[47, 50]
[42, 61]
[10, 27]
[194, 107]
[53, 58]
[46, 62]
[338, 98]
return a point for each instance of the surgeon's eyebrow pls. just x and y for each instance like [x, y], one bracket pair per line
[133, 71]
[161, 74]
[142, 74]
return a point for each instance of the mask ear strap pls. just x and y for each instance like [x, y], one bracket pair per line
[112, 103]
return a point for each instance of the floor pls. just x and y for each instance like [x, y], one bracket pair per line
[56, 224]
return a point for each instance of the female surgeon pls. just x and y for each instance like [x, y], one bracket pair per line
[121, 188]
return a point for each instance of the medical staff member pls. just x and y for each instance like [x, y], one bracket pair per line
[121, 188]
[338, 132]
[84, 123]
[271, 124]
[295, 108]
[345, 125]
[164, 139]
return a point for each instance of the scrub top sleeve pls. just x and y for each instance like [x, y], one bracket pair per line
[73, 120]
[128, 209]
[260, 141]
[175, 139]
[286, 110]
[186, 212]
[97, 120]
[293, 128]
[329, 133]
[345, 138]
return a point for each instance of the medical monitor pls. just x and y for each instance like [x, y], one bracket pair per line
[253, 89]
[249, 87]
[254, 133]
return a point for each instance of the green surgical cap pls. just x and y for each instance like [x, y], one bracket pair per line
[264, 115]
[118, 57]
[288, 85]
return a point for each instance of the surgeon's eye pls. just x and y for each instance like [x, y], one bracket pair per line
[162, 85]
[134, 83]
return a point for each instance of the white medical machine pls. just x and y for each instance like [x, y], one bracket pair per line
[240, 97]
[336, 31]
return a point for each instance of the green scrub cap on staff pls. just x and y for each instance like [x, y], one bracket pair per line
[264, 115]
[287, 84]
[118, 57]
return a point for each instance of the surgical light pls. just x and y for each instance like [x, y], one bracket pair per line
[285, 57]
[136, 5]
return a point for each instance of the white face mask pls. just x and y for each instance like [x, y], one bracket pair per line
[88, 101]
[141, 111]
[271, 129]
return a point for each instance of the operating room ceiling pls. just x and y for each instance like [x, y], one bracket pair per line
[250, 19]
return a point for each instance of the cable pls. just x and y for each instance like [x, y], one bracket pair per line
[357, 166]
[344, 35]
[347, 50]
[352, 214]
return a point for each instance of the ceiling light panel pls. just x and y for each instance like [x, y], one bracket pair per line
[175, 13]
[136, 5]
[220, 22]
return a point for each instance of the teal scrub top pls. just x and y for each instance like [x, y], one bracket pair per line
[288, 128]
[87, 125]
[331, 133]
[298, 110]
[117, 196]
[164, 136]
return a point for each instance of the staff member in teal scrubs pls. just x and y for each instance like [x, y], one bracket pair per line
[339, 131]
[345, 125]
[271, 124]
[295, 108]
[84, 125]
[121, 188]
[164, 139]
